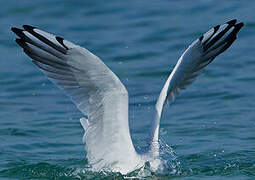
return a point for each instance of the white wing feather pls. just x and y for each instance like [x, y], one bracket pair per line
[96, 91]
[100, 95]
[198, 55]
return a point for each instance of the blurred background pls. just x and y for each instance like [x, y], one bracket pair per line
[210, 126]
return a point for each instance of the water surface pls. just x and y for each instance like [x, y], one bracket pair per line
[210, 126]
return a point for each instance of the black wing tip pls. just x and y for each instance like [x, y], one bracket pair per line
[232, 22]
[60, 40]
[201, 38]
[216, 28]
[17, 31]
[237, 28]
[14, 29]
[28, 27]
[239, 25]
[21, 42]
[231, 37]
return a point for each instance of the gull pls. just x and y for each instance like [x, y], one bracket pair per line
[99, 94]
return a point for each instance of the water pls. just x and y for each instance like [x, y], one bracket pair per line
[210, 126]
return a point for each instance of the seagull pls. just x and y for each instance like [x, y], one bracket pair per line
[99, 94]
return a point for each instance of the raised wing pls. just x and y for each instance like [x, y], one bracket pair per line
[198, 55]
[94, 88]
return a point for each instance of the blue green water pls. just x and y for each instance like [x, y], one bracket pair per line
[210, 126]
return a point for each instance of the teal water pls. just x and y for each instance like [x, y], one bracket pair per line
[210, 127]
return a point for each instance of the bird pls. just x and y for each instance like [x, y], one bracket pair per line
[99, 94]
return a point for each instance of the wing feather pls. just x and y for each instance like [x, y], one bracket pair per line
[96, 91]
[192, 62]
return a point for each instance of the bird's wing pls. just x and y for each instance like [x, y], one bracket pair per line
[195, 58]
[93, 87]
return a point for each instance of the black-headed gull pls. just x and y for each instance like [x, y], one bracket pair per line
[100, 95]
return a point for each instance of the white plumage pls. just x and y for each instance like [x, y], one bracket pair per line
[100, 95]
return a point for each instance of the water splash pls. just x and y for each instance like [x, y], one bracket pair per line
[171, 164]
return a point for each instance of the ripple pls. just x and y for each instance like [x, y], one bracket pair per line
[141, 42]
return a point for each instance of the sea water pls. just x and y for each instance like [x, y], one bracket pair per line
[209, 130]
